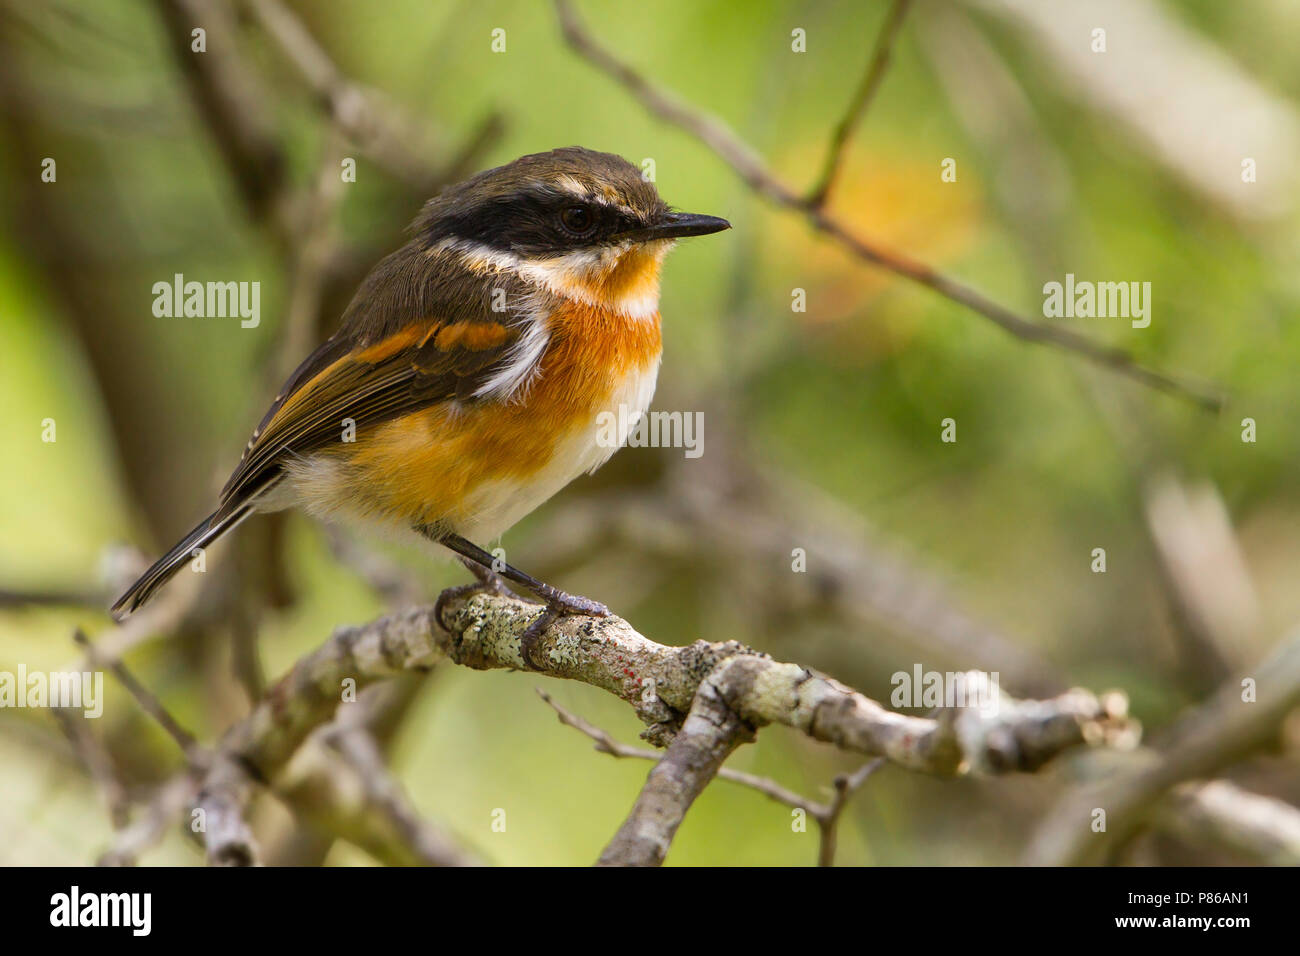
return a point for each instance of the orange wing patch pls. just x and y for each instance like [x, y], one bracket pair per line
[474, 335]
[390, 345]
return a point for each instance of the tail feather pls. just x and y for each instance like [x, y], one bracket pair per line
[204, 533]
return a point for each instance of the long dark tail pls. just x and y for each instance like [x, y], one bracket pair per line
[208, 530]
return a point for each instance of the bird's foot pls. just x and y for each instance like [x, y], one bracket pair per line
[493, 583]
[489, 582]
[558, 604]
[563, 603]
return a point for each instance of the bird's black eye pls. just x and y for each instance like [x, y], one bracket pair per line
[578, 221]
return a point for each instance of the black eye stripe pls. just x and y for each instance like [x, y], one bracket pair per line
[532, 221]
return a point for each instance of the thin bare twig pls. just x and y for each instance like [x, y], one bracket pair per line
[148, 702]
[607, 744]
[858, 106]
[164, 808]
[233, 107]
[751, 168]
[316, 246]
[99, 764]
[17, 598]
[846, 785]
[383, 131]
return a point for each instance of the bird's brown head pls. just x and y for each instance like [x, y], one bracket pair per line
[585, 224]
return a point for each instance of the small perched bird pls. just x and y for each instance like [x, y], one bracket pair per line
[464, 386]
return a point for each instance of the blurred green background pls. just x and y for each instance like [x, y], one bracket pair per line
[1097, 164]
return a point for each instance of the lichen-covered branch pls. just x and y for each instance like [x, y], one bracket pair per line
[711, 731]
[826, 815]
[259, 746]
[660, 682]
[700, 701]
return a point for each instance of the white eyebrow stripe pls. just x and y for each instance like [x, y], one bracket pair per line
[576, 189]
[571, 186]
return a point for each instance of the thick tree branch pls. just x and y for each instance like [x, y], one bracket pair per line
[825, 814]
[260, 745]
[222, 803]
[701, 700]
[711, 731]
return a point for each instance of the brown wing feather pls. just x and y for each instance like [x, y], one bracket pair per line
[420, 365]
[420, 330]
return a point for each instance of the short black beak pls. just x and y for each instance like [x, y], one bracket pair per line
[679, 225]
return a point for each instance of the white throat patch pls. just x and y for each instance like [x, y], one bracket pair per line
[565, 277]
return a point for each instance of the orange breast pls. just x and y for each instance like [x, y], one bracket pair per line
[429, 466]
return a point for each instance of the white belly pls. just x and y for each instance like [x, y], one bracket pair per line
[498, 505]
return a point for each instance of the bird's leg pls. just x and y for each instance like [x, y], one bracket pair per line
[488, 580]
[558, 603]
